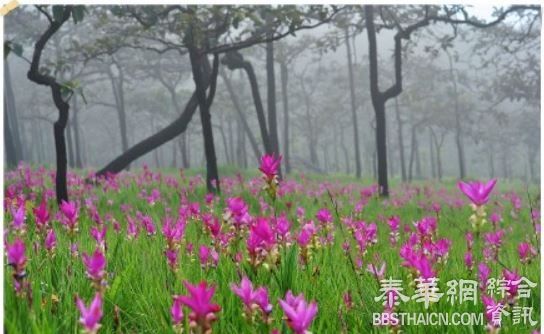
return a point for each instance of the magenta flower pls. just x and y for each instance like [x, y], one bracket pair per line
[476, 191]
[298, 312]
[90, 317]
[41, 214]
[50, 240]
[19, 217]
[99, 236]
[483, 274]
[199, 301]
[262, 300]
[324, 216]
[177, 311]
[171, 258]
[270, 165]
[244, 291]
[70, 212]
[16, 254]
[95, 265]
[469, 262]
[526, 251]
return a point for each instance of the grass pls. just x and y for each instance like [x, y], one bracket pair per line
[141, 285]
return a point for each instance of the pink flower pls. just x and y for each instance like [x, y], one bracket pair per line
[394, 223]
[251, 297]
[269, 165]
[50, 240]
[526, 251]
[70, 212]
[199, 301]
[478, 192]
[41, 214]
[95, 265]
[238, 209]
[90, 317]
[379, 273]
[483, 274]
[99, 235]
[244, 291]
[489, 305]
[177, 311]
[19, 217]
[16, 254]
[324, 216]
[468, 260]
[298, 312]
[171, 257]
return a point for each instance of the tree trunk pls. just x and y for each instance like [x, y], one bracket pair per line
[11, 156]
[198, 58]
[168, 133]
[271, 96]
[431, 156]
[62, 106]
[353, 109]
[400, 141]
[241, 116]
[117, 85]
[234, 60]
[284, 75]
[71, 160]
[77, 139]
[10, 107]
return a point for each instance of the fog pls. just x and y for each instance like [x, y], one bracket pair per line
[468, 93]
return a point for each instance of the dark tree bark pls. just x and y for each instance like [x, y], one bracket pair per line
[284, 77]
[13, 122]
[271, 96]
[62, 106]
[198, 58]
[353, 108]
[241, 116]
[234, 60]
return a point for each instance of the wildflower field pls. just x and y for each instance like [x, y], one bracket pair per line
[152, 252]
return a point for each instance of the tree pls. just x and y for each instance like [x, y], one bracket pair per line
[394, 19]
[59, 16]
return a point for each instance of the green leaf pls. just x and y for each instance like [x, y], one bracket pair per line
[58, 12]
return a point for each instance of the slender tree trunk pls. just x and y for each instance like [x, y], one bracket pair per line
[62, 106]
[234, 60]
[174, 155]
[346, 154]
[11, 156]
[241, 115]
[412, 154]
[231, 141]
[77, 139]
[204, 103]
[417, 158]
[117, 85]
[353, 108]
[71, 160]
[431, 156]
[10, 107]
[271, 96]
[400, 141]
[284, 75]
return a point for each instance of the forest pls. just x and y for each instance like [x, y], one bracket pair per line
[229, 145]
